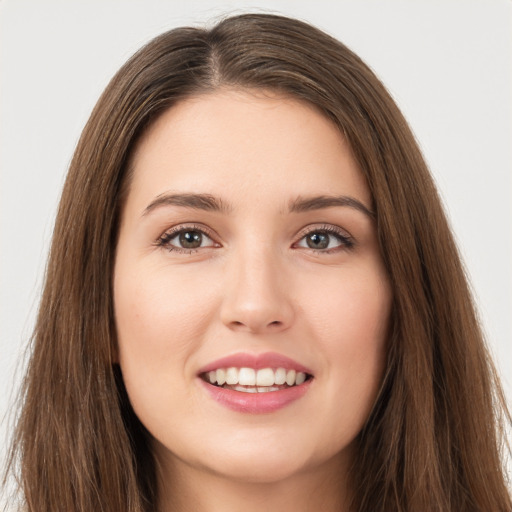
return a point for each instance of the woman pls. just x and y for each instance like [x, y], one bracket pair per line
[253, 298]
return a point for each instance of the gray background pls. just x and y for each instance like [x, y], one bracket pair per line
[447, 63]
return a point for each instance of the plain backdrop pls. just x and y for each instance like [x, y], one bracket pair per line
[447, 63]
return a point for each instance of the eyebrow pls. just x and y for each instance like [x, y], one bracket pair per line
[207, 202]
[204, 202]
[305, 204]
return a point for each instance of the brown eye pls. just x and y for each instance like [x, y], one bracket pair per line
[326, 240]
[190, 239]
[185, 239]
[317, 240]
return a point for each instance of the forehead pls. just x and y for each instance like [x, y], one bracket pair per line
[245, 143]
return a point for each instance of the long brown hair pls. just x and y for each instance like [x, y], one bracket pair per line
[433, 441]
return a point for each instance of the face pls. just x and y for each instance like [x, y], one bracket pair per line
[251, 301]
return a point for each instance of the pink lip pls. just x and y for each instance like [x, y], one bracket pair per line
[255, 403]
[256, 361]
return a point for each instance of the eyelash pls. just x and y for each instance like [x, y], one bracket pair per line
[346, 242]
[164, 240]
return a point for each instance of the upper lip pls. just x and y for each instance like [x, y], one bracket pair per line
[256, 361]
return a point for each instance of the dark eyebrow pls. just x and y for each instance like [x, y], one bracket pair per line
[195, 201]
[304, 204]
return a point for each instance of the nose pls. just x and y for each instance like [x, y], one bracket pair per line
[256, 295]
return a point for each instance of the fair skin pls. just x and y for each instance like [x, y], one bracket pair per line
[259, 269]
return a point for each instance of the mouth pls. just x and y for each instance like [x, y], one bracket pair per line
[261, 383]
[255, 380]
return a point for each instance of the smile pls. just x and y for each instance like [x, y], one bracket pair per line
[249, 383]
[251, 380]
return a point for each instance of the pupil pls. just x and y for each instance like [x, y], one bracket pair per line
[191, 239]
[318, 241]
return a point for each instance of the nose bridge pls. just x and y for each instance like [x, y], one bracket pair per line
[256, 295]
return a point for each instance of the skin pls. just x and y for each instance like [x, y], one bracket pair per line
[254, 285]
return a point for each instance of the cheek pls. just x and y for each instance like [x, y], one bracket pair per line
[351, 327]
[351, 312]
[160, 321]
[158, 316]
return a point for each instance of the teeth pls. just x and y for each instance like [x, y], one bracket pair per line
[265, 377]
[290, 377]
[262, 380]
[245, 389]
[253, 389]
[300, 378]
[221, 376]
[232, 376]
[247, 377]
[280, 377]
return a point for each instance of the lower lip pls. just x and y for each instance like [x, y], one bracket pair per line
[256, 403]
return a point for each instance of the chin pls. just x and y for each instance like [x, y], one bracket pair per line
[258, 470]
[268, 462]
[241, 459]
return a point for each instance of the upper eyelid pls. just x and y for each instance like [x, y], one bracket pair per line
[179, 228]
[330, 228]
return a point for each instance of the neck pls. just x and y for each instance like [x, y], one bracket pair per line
[183, 488]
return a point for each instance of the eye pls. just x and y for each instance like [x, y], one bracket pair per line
[185, 239]
[325, 239]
